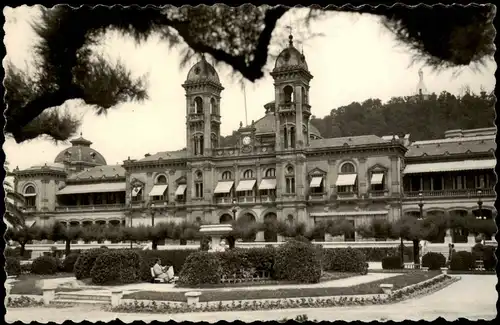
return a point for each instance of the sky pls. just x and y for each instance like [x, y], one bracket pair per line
[355, 59]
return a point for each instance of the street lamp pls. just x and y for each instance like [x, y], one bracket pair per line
[480, 205]
[235, 209]
[152, 215]
[421, 205]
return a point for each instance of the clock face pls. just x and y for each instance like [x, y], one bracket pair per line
[246, 140]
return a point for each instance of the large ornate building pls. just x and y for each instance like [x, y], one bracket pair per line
[282, 168]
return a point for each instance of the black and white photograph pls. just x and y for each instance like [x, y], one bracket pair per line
[210, 163]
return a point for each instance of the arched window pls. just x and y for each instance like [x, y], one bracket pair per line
[271, 172]
[226, 175]
[213, 106]
[198, 105]
[248, 174]
[198, 145]
[198, 185]
[290, 219]
[347, 168]
[30, 196]
[161, 179]
[290, 180]
[289, 95]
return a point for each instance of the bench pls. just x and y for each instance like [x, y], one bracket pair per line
[157, 280]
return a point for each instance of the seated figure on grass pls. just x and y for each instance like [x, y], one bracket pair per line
[165, 273]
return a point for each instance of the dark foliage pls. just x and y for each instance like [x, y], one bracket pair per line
[298, 261]
[12, 266]
[434, 261]
[175, 258]
[116, 266]
[344, 260]
[44, 265]
[85, 262]
[462, 261]
[392, 263]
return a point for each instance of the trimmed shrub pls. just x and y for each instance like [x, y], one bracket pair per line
[462, 261]
[392, 263]
[16, 252]
[12, 266]
[485, 253]
[68, 264]
[85, 262]
[434, 261]
[298, 261]
[344, 260]
[175, 258]
[115, 266]
[44, 265]
[262, 259]
[201, 268]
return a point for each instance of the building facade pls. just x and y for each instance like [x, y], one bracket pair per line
[281, 169]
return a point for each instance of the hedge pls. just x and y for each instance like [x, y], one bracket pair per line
[116, 266]
[44, 265]
[16, 252]
[200, 268]
[485, 253]
[12, 266]
[345, 260]
[175, 258]
[298, 261]
[68, 264]
[434, 261]
[392, 263]
[462, 261]
[85, 262]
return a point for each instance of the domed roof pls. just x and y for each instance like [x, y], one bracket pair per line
[267, 124]
[290, 57]
[202, 71]
[80, 151]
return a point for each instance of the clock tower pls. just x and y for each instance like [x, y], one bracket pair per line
[246, 139]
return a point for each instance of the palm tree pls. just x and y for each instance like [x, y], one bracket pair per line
[14, 204]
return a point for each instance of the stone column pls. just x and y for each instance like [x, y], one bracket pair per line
[116, 297]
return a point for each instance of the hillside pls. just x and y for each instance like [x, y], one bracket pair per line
[424, 119]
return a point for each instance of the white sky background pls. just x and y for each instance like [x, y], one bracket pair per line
[355, 60]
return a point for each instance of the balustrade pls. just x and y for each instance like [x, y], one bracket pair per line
[69, 208]
[469, 193]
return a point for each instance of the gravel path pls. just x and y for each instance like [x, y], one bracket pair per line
[474, 297]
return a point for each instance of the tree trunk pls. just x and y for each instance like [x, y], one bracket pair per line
[154, 245]
[68, 247]
[21, 249]
[183, 241]
[402, 249]
[416, 258]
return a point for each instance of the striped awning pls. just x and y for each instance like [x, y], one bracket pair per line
[158, 190]
[346, 179]
[180, 190]
[450, 166]
[316, 182]
[93, 188]
[377, 178]
[223, 187]
[267, 184]
[245, 185]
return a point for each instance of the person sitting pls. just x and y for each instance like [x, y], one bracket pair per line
[165, 273]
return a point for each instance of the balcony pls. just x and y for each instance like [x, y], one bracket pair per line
[158, 203]
[378, 194]
[30, 209]
[318, 197]
[246, 199]
[224, 200]
[287, 107]
[137, 204]
[195, 117]
[347, 196]
[462, 193]
[97, 207]
[267, 199]
[215, 118]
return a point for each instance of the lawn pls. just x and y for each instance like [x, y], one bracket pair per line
[27, 283]
[399, 281]
[327, 276]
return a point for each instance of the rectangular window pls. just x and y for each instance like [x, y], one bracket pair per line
[437, 183]
[345, 189]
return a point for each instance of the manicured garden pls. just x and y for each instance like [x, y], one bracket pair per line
[28, 284]
[398, 282]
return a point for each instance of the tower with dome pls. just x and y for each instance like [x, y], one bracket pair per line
[281, 168]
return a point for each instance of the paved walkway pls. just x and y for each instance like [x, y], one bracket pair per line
[474, 298]
[165, 287]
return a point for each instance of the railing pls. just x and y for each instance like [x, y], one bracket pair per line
[267, 199]
[195, 117]
[318, 197]
[346, 195]
[137, 204]
[158, 203]
[223, 200]
[246, 199]
[376, 194]
[286, 107]
[469, 193]
[70, 208]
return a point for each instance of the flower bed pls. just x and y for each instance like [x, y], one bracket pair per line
[23, 302]
[371, 288]
[424, 287]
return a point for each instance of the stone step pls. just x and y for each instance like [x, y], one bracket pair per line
[82, 297]
[59, 301]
